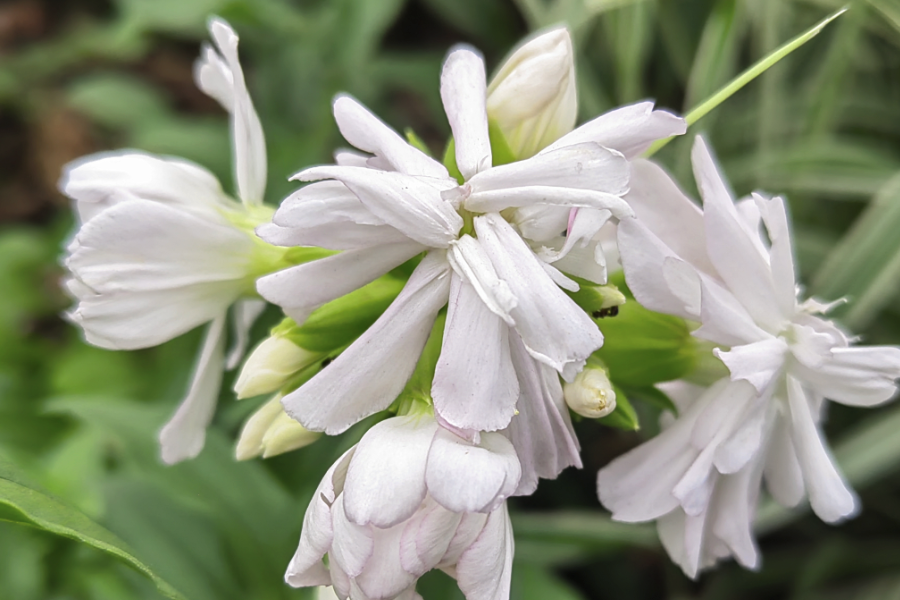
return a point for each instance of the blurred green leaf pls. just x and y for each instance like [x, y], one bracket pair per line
[716, 56]
[116, 99]
[532, 583]
[28, 505]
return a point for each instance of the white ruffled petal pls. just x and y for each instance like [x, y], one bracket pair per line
[781, 254]
[517, 197]
[759, 363]
[323, 203]
[471, 262]
[784, 478]
[859, 376]
[371, 373]
[332, 236]
[464, 94]
[352, 545]
[185, 433]
[484, 569]
[384, 575]
[427, 536]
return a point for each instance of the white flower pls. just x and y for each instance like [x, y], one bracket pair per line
[701, 476]
[411, 497]
[162, 249]
[591, 394]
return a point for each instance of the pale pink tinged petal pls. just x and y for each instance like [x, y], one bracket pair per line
[541, 222]
[643, 256]
[725, 320]
[386, 480]
[370, 374]
[475, 385]
[301, 289]
[784, 478]
[185, 433]
[306, 567]
[758, 363]
[515, 197]
[583, 226]
[830, 496]
[470, 527]
[370, 134]
[352, 545]
[588, 262]
[350, 158]
[542, 432]
[464, 94]
[858, 376]
[629, 129]
[412, 205]
[141, 245]
[332, 236]
[98, 181]
[384, 577]
[484, 569]
[339, 580]
[463, 477]
[733, 513]
[244, 315]
[731, 247]
[781, 254]
[323, 203]
[426, 537]
[248, 141]
[469, 259]
[582, 166]
[561, 337]
[409, 594]
[665, 210]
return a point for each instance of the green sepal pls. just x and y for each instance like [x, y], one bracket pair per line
[642, 347]
[298, 255]
[341, 321]
[655, 398]
[624, 416]
[416, 142]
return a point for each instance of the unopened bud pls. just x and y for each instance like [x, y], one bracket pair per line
[270, 431]
[532, 96]
[591, 394]
[271, 365]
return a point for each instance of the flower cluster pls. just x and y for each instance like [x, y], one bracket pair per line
[460, 301]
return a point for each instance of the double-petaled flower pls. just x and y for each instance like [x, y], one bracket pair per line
[730, 267]
[162, 249]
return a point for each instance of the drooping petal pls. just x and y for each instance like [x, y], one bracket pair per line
[830, 496]
[471, 262]
[475, 386]
[185, 433]
[245, 313]
[386, 480]
[484, 569]
[370, 134]
[733, 513]
[554, 329]
[352, 545]
[306, 567]
[783, 475]
[629, 129]
[464, 94]
[384, 575]
[220, 76]
[98, 181]
[301, 289]
[427, 536]
[858, 376]
[370, 374]
[412, 205]
[465, 477]
[759, 363]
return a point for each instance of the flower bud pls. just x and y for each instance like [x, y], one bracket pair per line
[532, 96]
[270, 365]
[270, 431]
[591, 394]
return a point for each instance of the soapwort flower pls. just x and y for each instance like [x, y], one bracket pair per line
[730, 268]
[162, 249]
[411, 497]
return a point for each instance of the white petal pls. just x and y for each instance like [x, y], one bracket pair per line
[98, 181]
[464, 94]
[332, 236]
[733, 514]
[306, 567]
[582, 166]
[515, 197]
[301, 289]
[484, 569]
[731, 247]
[185, 433]
[369, 133]
[370, 374]
[759, 363]
[541, 432]
[386, 480]
[352, 545]
[427, 536]
[463, 477]
[555, 330]
[859, 376]
[784, 478]
[412, 205]
[725, 320]
[781, 252]
[244, 315]
[323, 203]
[384, 575]
[830, 496]
[541, 222]
[629, 129]
[475, 386]
[469, 260]
[470, 527]
[217, 77]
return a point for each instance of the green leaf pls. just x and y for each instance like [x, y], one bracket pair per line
[747, 76]
[117, 99]
[655, 398]
[24, 503]
[533, 583]
[716, 54]
[624, 416]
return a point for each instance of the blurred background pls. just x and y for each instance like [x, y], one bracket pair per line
[80, 76]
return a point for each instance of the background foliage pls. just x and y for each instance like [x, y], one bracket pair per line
[78, 424]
